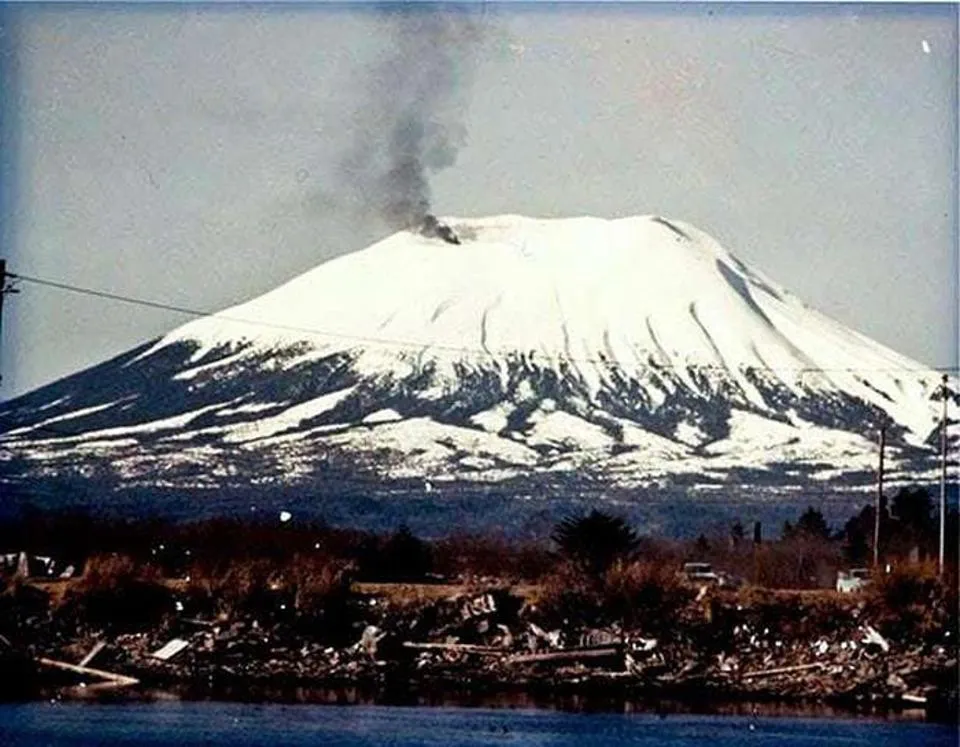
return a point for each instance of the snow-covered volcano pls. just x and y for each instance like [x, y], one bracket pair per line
[631, 352]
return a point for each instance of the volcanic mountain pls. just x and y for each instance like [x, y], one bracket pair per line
[606, 356]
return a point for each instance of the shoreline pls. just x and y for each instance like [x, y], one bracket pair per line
[853, 671]
[594, 698]
[637, 635]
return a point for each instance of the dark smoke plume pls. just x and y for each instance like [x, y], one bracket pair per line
[409, 125]
[434, 229]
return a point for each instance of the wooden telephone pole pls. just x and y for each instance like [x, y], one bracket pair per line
[943, 474]
[4, 290]
[876, 513]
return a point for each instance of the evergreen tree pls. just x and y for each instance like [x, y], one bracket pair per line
[596, 541]
[811, 524]
[737, 534]
[915, 526]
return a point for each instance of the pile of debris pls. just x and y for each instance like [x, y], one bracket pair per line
[495, 638]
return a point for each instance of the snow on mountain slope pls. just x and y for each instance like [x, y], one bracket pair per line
[633, 351]
[591, 294]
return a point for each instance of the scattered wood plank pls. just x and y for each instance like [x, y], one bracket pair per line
[118, 679]
[198, 622]
[783, 670]
[97, 648]
[170, 649]
[874, 637]
[466, 648]
[567, 655]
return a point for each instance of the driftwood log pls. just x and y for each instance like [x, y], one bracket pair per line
[120, 680]
[782, 670]
[465, 648]
[566, 655]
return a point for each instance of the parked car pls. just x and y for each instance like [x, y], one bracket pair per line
[703, 574]
[853, 580]
[728, 580]
[700, 573]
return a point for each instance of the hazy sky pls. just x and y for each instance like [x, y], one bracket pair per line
[193, 155]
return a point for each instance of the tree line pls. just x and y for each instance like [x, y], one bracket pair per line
[807, 554]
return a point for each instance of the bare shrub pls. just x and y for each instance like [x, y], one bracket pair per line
[117, 593]
[21, 604]
[912, 602]
[644, 594]
[322, 598]
[472, 556]
[635, 594]
[790, 614]
[800, 562]
[107, 570]
[570, 594]
[309, 591]
[316, 580]
[232, 589]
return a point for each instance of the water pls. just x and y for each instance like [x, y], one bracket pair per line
[163, 724]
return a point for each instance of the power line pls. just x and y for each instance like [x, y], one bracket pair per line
[111, 296]
[240, 320]
[414, 345]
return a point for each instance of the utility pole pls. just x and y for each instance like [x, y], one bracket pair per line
[3, 285]
[943, 474]
[876, 513]
[4, 290]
